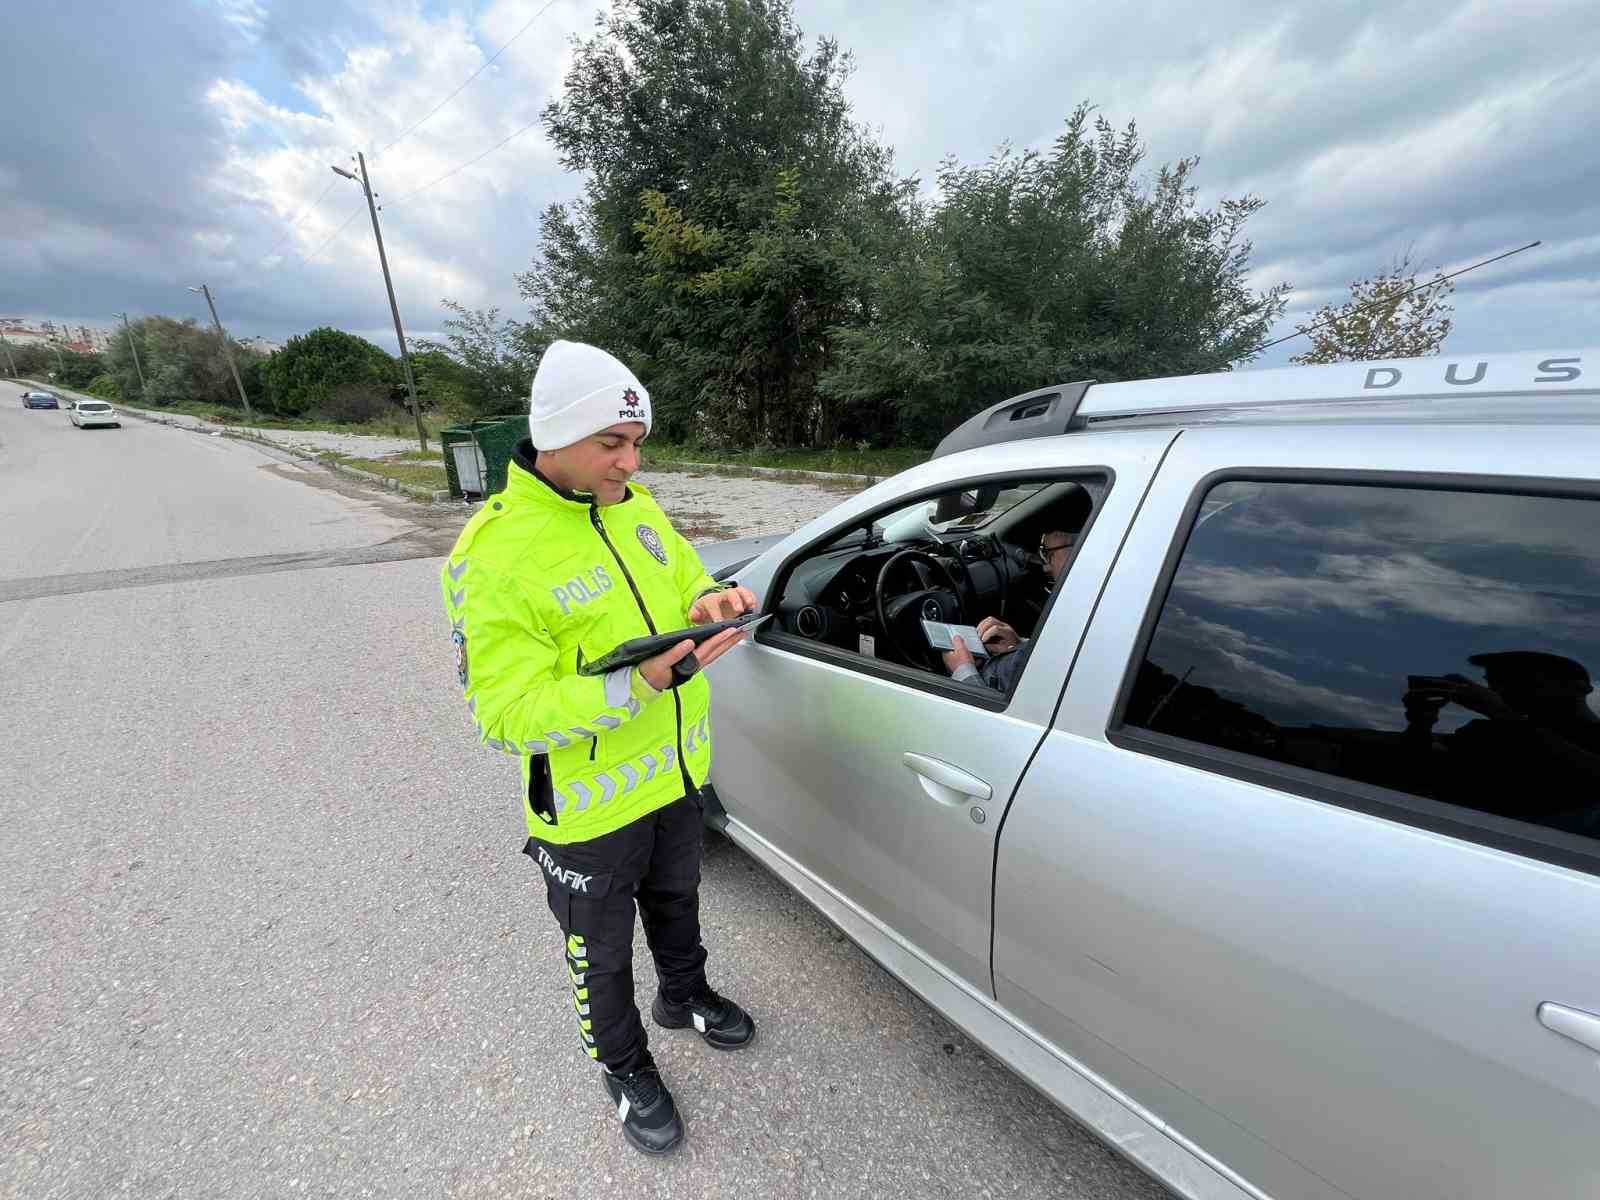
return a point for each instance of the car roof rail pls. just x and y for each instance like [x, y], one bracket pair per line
[1044, 412]
[1491, 383]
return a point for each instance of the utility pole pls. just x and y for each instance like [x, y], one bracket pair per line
[226, 350]
[383, 260]
[134, 347]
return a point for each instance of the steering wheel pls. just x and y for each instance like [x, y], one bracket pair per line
[902, 617]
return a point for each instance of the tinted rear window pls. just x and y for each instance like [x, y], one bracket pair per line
[1441, 643]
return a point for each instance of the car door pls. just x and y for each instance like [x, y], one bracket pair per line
[885, 784]
[1247, 905]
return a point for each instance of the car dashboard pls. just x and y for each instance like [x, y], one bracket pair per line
[832, 596]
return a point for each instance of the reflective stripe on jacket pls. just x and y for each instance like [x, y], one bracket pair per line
[539, 575]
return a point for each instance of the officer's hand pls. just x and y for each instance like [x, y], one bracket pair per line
[657, 671]
[958, 657]
[999, 637]
[1479, 699]
[722, 606]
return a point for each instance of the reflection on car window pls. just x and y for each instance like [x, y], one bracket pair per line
[1435, 642]
[1002, 504]
[963, 512]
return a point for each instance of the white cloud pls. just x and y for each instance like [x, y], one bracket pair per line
[1457, 127]
[1228, 659]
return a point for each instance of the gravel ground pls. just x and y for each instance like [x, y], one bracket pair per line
[710, 508]
[705, 507]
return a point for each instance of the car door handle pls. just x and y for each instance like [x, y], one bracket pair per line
[945, 783]
[1574, 1023]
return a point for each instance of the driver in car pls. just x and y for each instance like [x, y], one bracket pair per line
[1008, 653]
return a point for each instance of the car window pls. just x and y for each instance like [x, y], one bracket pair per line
[1439, 643]
[892, 596]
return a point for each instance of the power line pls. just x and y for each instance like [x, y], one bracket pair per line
[310, 208]
[469, 162]
[1391, 299]
[304, 213]
[468, 80]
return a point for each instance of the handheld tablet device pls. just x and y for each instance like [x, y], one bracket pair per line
[634, 651]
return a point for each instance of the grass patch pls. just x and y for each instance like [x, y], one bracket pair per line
[847, 462]
[420, 474]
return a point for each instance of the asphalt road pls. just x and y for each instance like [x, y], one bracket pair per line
[264, 925]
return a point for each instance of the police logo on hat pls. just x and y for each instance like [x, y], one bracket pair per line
[631, 409]
[651, 541]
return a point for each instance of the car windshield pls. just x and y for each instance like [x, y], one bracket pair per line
[93, 406]
[972, 509]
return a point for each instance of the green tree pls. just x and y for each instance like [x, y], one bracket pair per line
[1033, 269]
[303, 377]
[105, 386]
[78, 370]
[744, 245]
[253, 374]
[727, 184]
[34, 361]
[1387, 316]
[493, 361]
[119, 359]
[186, 357]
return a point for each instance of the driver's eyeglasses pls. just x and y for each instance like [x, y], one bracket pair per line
[1047, 551]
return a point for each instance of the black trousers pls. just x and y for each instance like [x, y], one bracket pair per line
[593, 887]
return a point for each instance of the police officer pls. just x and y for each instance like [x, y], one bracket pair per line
[567, 562]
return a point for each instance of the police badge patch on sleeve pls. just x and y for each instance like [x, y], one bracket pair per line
[651, 541]
[460, 640]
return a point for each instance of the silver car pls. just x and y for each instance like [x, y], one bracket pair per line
[1276, 859]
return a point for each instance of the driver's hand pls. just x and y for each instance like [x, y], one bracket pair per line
[722, 606]
[999, 637]
[960, 656]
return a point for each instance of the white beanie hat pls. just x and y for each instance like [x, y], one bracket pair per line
[579, 390]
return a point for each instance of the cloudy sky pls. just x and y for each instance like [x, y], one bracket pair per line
[189, 140]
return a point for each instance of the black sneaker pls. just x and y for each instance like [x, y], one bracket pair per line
[721, 1022]
[650, 1120]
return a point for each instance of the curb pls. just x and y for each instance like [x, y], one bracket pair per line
[415, 491]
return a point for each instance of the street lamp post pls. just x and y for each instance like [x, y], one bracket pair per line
[394, 309]
[134, 347]
[205, 291]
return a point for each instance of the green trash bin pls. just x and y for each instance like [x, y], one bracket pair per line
[478, 453]
[498, 440]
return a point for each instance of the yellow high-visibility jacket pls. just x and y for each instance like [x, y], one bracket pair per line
[539, 575]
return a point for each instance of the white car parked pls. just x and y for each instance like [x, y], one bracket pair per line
[85, 413]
